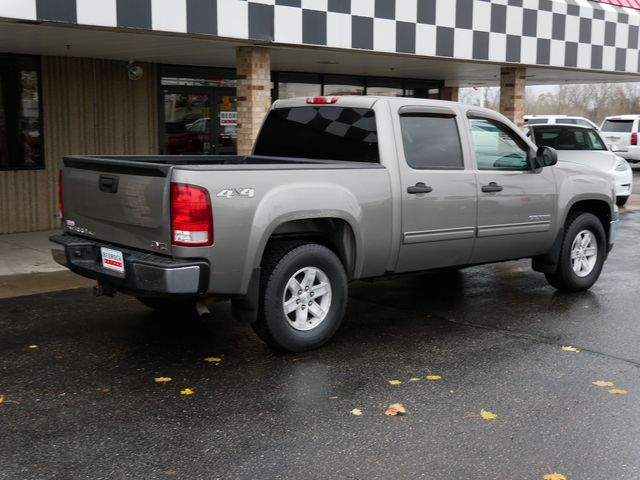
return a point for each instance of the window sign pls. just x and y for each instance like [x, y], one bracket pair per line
[228, 118]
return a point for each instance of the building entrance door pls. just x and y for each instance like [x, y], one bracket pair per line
[198, 121]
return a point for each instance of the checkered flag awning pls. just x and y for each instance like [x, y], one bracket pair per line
[592, 35]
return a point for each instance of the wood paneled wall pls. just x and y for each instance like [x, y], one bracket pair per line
[89, 107]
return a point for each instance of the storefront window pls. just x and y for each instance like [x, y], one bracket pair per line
[20, 116]
[422, 89]
[386, 87]
[292, 85]
[343, 85]
[198, 77]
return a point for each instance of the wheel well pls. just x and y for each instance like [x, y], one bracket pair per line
[548, 262]
[598, 208]
[334, 233]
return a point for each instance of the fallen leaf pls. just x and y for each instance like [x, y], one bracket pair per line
[162, 379]
[333, 398]
[4, 400]
[414, 379]
[569, 348]
[617, 391]
[170, 472]
[395, 382]
[488, 415]
[356, 411]
[554, 476]
[433, 377]
[33, 346]
[602, 383]
[187, 391]
[213, 359]
[395, 410]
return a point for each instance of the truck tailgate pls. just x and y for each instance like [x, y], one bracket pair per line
[121, 202]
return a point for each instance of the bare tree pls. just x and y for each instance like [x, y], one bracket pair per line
[593, 101]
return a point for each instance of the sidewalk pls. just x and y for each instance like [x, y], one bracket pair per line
[26, 266]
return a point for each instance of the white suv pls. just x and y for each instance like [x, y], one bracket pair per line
[564, 119]
[620, 133]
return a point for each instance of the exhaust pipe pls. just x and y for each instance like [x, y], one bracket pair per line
[104, 290]
[203, 311]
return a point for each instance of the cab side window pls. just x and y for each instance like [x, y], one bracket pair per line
[497, 147]
[431, 142]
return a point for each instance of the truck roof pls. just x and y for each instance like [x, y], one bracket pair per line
[623, 117]
[367, 101]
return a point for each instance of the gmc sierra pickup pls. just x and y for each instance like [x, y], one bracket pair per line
[337, 189]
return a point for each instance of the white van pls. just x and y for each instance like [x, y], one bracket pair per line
[564, 119]
[620, 133]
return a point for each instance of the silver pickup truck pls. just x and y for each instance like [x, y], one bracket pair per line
[337, 189]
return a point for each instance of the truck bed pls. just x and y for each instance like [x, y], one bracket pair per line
[125, 200]
[137, 164]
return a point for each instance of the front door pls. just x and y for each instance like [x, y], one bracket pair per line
[438, 191]
[198, 121]
[516, 204]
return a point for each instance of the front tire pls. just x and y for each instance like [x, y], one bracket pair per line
[303, 296]
[581, 255]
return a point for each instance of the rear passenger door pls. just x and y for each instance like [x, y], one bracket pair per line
[438, 190]
[516, 204]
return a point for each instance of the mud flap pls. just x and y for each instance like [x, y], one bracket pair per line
[548, 263]
[245, 308]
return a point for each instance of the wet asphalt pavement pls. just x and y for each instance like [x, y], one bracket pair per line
[84, 404]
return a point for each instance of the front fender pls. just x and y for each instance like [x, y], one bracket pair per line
[582, 183]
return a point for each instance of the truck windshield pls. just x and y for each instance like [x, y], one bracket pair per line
[321, 133]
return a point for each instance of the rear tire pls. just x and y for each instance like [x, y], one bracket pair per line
[303, 296]
[581, 255]
[621, 201]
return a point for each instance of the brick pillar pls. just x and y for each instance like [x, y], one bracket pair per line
[451, 94]
[253, 74]
[512, 93]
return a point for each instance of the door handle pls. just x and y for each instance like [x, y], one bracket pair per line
[492, 187]
[419, 188]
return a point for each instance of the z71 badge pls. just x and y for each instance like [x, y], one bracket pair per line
[237, 192]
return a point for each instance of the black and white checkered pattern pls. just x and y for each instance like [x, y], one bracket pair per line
[563, 33]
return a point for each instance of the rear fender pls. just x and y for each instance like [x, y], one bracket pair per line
[311, 200]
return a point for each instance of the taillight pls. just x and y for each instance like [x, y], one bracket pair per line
[321, 100]
[191, 216]
[634, 138]
[60, 200]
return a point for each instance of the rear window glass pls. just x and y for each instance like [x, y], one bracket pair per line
[431, 142]
[567, 138]
[535, 121]
[320, 132]
[620, 126]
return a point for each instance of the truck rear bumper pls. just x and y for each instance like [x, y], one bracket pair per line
[145, 274]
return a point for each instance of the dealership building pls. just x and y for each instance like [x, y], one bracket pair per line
[197, 76]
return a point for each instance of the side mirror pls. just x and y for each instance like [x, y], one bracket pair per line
[546, 157]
